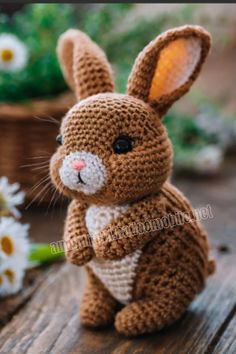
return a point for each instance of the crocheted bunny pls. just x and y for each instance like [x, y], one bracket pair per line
[144, 268]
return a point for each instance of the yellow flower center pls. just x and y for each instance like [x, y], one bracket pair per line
[7, 55]
[10, 275]
[1, 280]
[7, 245]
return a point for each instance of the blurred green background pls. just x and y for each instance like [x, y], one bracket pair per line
[202, 126]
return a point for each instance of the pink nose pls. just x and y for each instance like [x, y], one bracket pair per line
[78, 165]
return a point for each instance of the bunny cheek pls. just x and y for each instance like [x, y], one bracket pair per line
[55, 164]
[139, 173]
[83, 171]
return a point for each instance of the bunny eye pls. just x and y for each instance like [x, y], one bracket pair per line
[59, 139]
[123, 144]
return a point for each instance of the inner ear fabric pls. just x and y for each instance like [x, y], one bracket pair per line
[175, 65]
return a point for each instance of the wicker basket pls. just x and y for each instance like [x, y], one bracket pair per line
[27, 136]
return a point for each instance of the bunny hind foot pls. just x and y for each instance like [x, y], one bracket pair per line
[148, 315]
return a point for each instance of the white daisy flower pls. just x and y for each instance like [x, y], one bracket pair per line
[13, 53]
[14, 243]
[10, 197]
[11, 278]
[209, 159]
[14, 251]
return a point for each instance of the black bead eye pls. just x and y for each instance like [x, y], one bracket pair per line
[122, 144]
[59, 139]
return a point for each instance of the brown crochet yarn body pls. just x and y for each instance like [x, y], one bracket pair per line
[114, 162]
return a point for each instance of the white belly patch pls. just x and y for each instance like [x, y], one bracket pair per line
[118, 276]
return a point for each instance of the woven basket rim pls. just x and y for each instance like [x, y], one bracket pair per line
[42, 107]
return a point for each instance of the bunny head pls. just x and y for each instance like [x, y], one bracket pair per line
[114, 147]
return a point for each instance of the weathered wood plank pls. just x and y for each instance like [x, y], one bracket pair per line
[227, 342]
[44, 315]
[11, 304]
[50, 322]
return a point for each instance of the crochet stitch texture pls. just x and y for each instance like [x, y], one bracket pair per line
[140, 277]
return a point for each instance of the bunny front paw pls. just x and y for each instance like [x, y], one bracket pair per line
[79, 257]
[78, 250]
[111, 249]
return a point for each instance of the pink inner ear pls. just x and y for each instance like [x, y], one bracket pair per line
[176, 63]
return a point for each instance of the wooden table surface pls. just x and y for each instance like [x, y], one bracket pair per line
[44, 317]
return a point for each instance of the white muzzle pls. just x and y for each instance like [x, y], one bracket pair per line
[87, 179]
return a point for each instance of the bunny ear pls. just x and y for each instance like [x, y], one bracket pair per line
[167, 67]
[84, 64]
